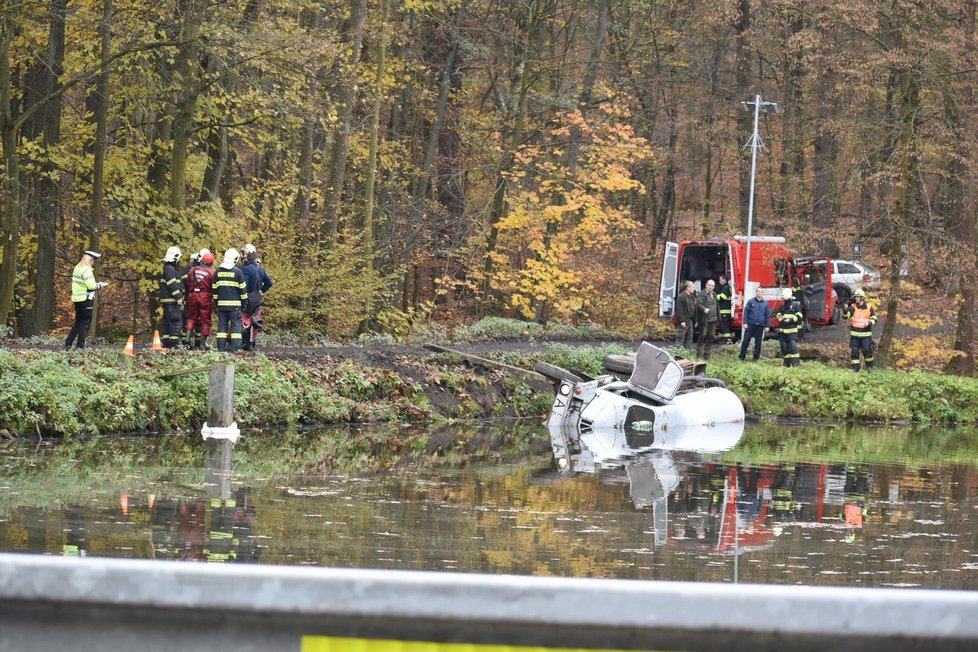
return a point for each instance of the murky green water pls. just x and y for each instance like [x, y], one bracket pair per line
[788, 505]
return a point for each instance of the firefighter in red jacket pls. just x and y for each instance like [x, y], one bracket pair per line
[862, 319]
[200, 301]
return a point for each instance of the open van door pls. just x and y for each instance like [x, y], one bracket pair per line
[815, 278]
[667, 285]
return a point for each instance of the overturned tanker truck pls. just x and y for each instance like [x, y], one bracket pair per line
[657, 395]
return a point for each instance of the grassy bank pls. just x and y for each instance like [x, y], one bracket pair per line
[51, 392]
[99, 391]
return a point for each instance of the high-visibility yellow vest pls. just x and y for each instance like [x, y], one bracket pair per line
[82, 282]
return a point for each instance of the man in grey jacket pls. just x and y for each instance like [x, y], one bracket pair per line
[706, 317]
[685, 316]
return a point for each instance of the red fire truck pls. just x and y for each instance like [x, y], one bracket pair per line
[772, 267]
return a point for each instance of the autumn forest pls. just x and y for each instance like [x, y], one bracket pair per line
[450, 159]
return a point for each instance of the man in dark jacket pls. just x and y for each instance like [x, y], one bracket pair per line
[790, 320]
[257, 283]
[685, 316]
[707, 315]
[757, 320]
[171, 298]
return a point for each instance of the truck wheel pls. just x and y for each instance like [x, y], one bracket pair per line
[620, 364]
[836, 315]
[555, 373]
[843, 292]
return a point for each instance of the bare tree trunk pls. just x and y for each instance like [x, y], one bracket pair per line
[902, 213]
[498, 206]
[823, 200]
[965, 226]
[368, 211]
[341, 139]
[218, 150]
[45, 209]
[423, 180]
[9, 137]
[100, 114]
[188, 74]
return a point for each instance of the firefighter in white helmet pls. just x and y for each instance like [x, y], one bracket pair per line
[229, 298]
[171, 298]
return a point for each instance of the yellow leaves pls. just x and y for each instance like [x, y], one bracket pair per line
[560, 240]
[919, 322]
[926, 352]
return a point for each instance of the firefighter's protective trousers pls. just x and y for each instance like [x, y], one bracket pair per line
[228, 329]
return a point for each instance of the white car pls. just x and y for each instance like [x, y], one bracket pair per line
[851, 275]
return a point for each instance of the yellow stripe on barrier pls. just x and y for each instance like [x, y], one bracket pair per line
[337, 644]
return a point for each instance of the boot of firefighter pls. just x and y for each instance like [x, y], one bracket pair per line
[202, 344]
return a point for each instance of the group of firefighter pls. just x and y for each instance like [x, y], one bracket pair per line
[710, 310]
[190, 296]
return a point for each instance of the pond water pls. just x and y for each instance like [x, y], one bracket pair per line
[788, 504]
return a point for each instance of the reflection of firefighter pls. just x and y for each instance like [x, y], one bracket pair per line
[782, 498]
[856, 489]
[164, 515]
[231, 535]
[192, 526]
[220, 546]
[76, 542]
[244, 527]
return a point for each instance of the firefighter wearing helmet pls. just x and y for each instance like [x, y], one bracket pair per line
[171, 298]
[791, 320]
[257, 283]
[862, 319]
[229, 296]
[194, 261]
[200, 301]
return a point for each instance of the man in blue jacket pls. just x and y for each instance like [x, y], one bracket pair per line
[257, 283]
[757, 321]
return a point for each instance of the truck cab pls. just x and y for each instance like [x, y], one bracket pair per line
[772, 267]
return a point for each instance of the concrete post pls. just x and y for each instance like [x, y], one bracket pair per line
[220, 405]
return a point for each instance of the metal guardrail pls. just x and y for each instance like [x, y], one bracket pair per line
[53, 603]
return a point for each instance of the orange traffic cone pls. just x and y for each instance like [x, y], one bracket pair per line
[157, 344]
[130, 347]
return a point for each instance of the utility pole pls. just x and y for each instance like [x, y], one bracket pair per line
[757, 106]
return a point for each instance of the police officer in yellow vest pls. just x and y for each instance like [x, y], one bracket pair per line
[862, 319]
[83, 289]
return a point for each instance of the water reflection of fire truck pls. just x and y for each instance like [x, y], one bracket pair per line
[736, 508]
